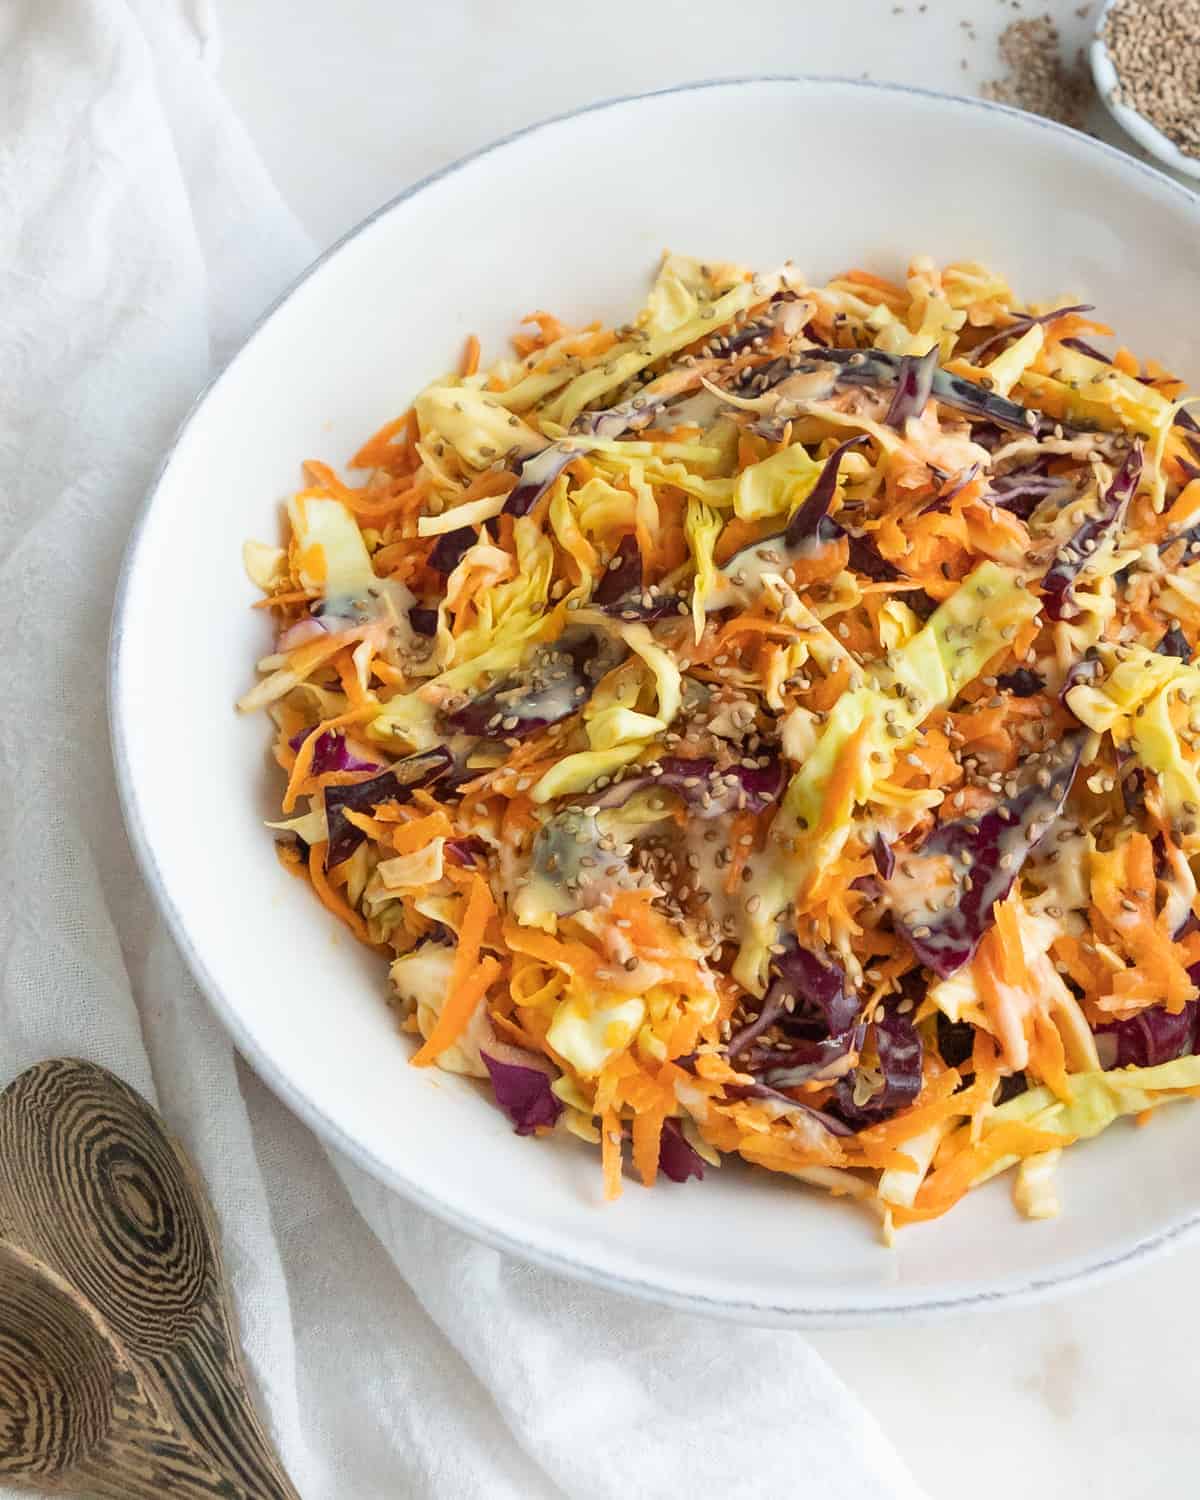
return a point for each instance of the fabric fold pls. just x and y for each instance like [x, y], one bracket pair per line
[139, 238]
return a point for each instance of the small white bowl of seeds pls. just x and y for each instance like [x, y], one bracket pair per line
[1146, 63]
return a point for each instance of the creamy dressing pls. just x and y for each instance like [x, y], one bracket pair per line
[705, 843]
[1060, 872]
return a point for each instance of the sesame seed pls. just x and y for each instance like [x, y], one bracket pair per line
[1154, 45]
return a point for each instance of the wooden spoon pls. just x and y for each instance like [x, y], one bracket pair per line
[120, 1374]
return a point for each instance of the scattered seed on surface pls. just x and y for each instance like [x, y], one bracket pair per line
[1040, 78]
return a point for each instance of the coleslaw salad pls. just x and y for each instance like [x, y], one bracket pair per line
[766, 728]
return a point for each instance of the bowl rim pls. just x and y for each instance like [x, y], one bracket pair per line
[1132, 121]
[739, 1309]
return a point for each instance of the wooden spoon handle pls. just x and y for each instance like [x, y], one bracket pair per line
[76, 1417]
[98, 1194]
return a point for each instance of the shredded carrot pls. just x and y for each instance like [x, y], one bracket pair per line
[1012, 954]
[467, 981]
[470, 359]
[839, 796]
[936, 1102]
[516, 1032]
[457, 1012]
[1048, 1056]
[407, 838]
[876, 289]
[302, 766]
[380, 449]
[1184, 511]
[368, 825]
[330, 898]
[942, 1189]
[290, 857]
[570, 957]
[293, 596]
[390, 503]
[610, 1153]
[1126, 362]
[647, 1139]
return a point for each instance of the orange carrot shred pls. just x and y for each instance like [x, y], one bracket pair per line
[610, 1153]
[464, 990]
[330, 898]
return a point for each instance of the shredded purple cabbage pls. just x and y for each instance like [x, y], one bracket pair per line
[800, 1061]
[1081, 346]
[450, 547]
[1023, 323]
[537, 475]
[965, 396]
[676, 1159]
[464, 851]
[708, 792]
[623, 575]
[914, 382]
[620, 591]
[988, 436]
[1082, 673]
[955, 1040]
[764, 1091]
[395, 785]
[534, 478]
[900, 1053]
[811, 521]
[1021, 491]
[1183, 418]
[988, 850]
[523, 1093]
[968, 476]
[777, 318]
[331, 753]
[555, 685]
[1021, 683]
[1011, 1087]
[1175, 643]
[823, 1003]
[872, 367]
[921, 603]
[1059, 580]
[866, 558]
[613, 422]
[1151, 1037]
[1190, 472]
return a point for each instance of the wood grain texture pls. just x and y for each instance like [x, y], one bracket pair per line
[119, 1369]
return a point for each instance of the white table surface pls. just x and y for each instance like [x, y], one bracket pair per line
[350, 100]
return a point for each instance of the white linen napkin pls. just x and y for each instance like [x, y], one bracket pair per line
[138, 236]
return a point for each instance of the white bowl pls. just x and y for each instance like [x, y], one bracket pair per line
[1132, 121]
[571, 216]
